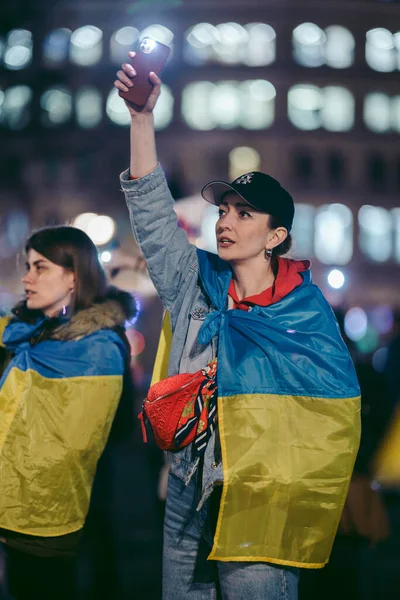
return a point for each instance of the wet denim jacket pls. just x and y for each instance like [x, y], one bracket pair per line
[173, 267]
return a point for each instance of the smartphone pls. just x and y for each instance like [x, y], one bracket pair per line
[150, 56]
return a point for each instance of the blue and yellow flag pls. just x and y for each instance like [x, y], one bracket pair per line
[289, 420]
[57, 403]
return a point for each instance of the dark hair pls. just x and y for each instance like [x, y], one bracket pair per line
[73, 250]
[285, 246]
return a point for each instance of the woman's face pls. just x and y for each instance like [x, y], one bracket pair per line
[48, 287]
[242, 232]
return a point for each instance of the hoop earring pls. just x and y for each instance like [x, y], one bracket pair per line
[268, 253]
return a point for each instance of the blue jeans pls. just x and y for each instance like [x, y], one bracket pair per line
[188, 536]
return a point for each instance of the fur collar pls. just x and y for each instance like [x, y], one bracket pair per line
[112, 312]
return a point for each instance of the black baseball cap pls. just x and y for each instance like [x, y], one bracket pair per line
[260, 190]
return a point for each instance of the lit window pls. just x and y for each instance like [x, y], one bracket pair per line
[375, 232]
[56, 47]
[208, 222]
[338, 110]
[118, 113]
[339, 49]
[199, 43]
[355, 323]
[196, 105]
[310, 107]
[260, 96]
[86, 45]
[305, 103]
[396, 220]
[397, 44]
[242, 160]
[88, 107]
[380, 50]
[377, 112]
[56, 105]
[303, 229]
[253, 44]
[15, 107]
[232, 39]
[333, 239]
[261, 45]
[395, 113]
[308, 45]
[18, 49]
[160, 33]
[225, 104]
[164, 109]
[116, 109]
[123, 41]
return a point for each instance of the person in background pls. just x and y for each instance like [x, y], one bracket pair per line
[63, 359]
[260, 490]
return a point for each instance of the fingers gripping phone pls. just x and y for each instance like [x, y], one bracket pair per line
[150, 56]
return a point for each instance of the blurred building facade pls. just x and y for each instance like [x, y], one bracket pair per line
[305, 90]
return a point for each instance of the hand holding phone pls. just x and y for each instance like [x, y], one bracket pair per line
[150, 57]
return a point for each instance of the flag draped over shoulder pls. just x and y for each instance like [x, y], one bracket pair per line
[289, 420]
[57, 403]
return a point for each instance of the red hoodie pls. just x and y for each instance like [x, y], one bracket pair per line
[287, 279]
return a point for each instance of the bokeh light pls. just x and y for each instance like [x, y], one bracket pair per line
[310, 107]
[369, 342]
[380, 50]
[253, 44]
[242, 160]
[101, 229]
[88, 107]
[122, 41]
[105, 256]
[86, 45]
[136, 340]
[82, 221]
[379, 359]
[375, 232]
[56, 47]
[336, 279]
[224, 104]
[355, 323]
[160, 33]
[56, 105]
[382, 319]
[15, 107]
[333, 236]
[18, 50]
[308, 45]
[303, 230]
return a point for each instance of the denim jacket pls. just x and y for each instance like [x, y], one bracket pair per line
[173, 267]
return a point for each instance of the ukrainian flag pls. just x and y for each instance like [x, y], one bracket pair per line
[57, 404]
[289, 422]
[289, 419]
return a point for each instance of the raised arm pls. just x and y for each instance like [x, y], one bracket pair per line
[167, 250]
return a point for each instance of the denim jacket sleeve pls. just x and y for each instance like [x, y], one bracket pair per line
[170, 256]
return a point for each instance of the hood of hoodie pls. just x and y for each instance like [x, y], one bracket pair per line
[111, 312]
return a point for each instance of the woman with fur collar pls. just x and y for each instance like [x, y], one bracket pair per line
[63, 357]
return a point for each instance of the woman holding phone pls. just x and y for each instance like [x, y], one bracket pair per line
[263, 496]
[63, 360]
